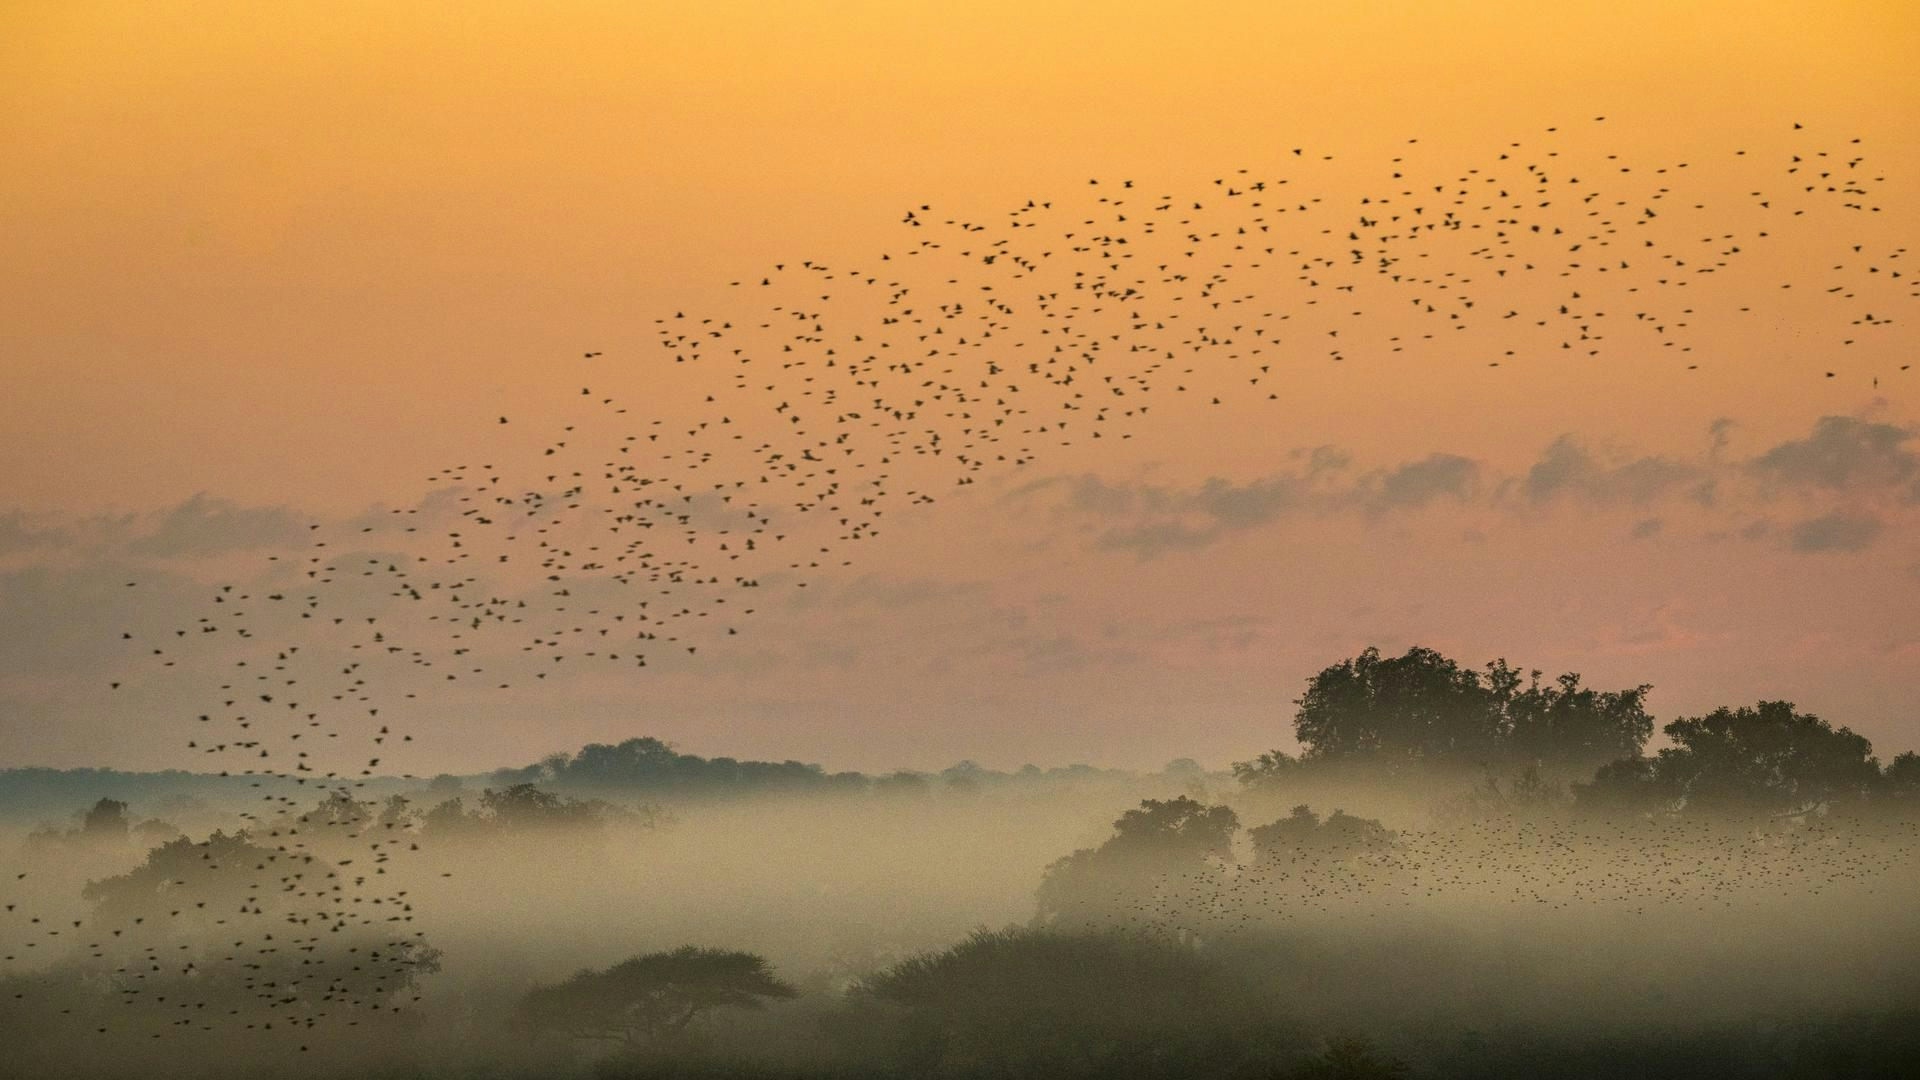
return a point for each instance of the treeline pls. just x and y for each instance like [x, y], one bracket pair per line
[648, 766]
[644, 768]
[40, 793]
[1423, 719]
[1090, 1005]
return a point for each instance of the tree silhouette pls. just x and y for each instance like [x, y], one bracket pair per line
[186, 885]
[1179, 828]
[1563, 728]
[650, 765]
[1349, 1058]
[1901, 781]
[107, 820]
[526, 810]
[1303, 836]
[211, 909]
[1028, 1002]
[1628, 787]
[1160, 838]
[1392, 714]
[104, 831]
[1418, 706]
[638, 1001]
[1759, 759]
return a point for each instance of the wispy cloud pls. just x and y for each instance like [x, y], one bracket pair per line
[1842, 453]
[1838, 531]
[1843, 479]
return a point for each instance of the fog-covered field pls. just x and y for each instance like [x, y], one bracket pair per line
[1305, 917]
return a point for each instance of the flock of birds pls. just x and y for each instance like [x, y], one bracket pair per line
[780, 433]
[1524, 868]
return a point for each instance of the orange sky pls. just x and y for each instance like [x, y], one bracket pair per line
[302, 255]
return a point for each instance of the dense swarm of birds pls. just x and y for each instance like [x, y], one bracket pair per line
[1518, 868]
[732, 453]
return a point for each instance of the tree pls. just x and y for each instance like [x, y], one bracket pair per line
[1901, 781]
[450, 819]
[1180, 828]
[1269, 769]
[1766, 757]
[1422, 710]
[104, 831]
[527, 811]
[107, 820]
[643, 999]
[1527, 795]
[1759, 759]
[1160, 838]
[1563, 728]
[204, 899]
[523, 806]
[206, 880]
[1349, 1058]
[648, 764]
[1418, 706]
[1029, 1002]
[1630, 786]
[1303, 836]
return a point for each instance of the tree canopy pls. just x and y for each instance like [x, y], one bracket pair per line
[1423, 709]
[1763, 758]
[1158, 838]
[1304, 836]
[641, 999]
[1035, 1002]
[649, 764]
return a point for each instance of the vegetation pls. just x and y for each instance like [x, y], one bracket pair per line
[650, 998]
[1461, 874]
[1423, 712]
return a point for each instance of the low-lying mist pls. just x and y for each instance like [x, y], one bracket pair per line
[1738, 904]
[1453, 944]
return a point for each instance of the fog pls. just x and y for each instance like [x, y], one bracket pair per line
[1295, 917]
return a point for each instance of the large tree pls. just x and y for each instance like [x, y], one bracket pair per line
[1421, 705]
[1767, 757]
[1901, 780]
[1180, 829]
[1424, 709]
[1563, 728]
[638, 1001]
[1764, 758]
[1304, 837]
[1158, 839]
[1027, 1002]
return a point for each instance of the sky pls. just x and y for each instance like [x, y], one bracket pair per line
[278, 266]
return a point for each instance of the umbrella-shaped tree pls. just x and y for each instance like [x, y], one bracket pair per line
[640, 1000]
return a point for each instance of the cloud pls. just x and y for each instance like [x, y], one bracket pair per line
[1246, 506]
[1420, 482]
[1838, 531]
[205, 525]
[1836, 473]
[1327, 459]
[1090, 494]
[19, 532]
[1568, 469]
[66, 621]
[1842, 453]
[1158, 538]
[1719, 432]
[1151, 520]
